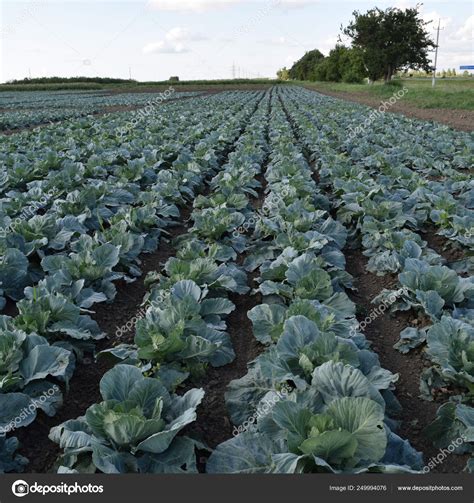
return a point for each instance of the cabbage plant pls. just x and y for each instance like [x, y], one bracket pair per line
[308, 434]
[431, 288]
[133, 430]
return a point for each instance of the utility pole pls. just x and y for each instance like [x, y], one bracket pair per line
[130, 73]
[433, 82]
[233, 70]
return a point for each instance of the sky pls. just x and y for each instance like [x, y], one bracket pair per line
[194, 39]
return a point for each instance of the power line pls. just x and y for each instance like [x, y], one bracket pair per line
[433, 82]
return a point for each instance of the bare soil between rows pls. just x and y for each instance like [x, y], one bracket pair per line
[383, 333]
[213, 425]
[84, 385]
[449, 250]
[463, 120]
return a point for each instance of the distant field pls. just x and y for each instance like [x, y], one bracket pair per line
[76, 86]
[455, 94]
[140, 86]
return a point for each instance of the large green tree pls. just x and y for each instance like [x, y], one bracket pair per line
[283, 74]
[390, 40]
[343, 64]
[304, 68]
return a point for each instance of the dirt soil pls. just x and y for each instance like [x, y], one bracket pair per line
[463, 120]
[213, 424]
[443, 246]
[383, 333]
[84, 386]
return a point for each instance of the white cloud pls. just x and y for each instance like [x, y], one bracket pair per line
[164, 47]
[293, 4]
[283, 41]
[206, 5]
[179, 34]
[327, 44]
[175, 42]
[191, 5]
[466, 32]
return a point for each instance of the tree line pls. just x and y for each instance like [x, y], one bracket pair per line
[382, 43]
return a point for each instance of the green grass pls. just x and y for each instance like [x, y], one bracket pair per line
[448, 93]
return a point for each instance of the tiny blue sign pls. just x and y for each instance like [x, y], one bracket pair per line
[467, 67]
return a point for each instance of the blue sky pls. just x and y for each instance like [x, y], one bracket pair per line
[192, 38]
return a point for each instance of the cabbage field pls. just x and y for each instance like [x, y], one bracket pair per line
[233, 283]
[20, 109]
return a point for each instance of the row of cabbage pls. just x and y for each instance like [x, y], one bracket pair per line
[66, 183]
[27, 109]
[387, 204]
[78, 99]
[183, 332]
[30, 99]
[317, 399]
[40, 346]
[415, 172]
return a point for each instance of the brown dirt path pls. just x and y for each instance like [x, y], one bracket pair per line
[463, 120]
[383, 333]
